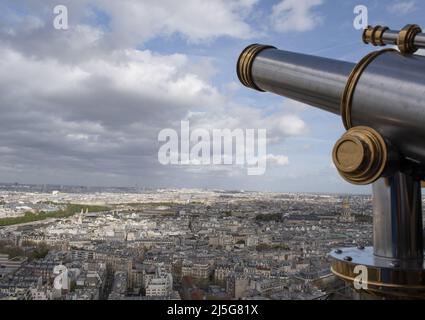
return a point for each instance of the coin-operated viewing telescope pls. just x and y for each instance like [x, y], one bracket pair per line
[382, 104]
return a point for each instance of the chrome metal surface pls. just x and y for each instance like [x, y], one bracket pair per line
[390, 98]
[391, 36]
[367, 257]
[316, 81]
[395, 264]
[420, 40]
[397, 218]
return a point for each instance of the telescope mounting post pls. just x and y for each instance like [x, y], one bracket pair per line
[395, 264]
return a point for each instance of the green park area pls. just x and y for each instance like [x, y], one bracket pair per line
[68, 211]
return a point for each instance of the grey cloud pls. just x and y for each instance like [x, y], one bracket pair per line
[82, 106]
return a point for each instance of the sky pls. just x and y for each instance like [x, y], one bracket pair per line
[84, 106]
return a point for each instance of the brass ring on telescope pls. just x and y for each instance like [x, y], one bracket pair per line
[406, 39]
[374, 35]
[244, 64]
[367, 35]
[361, 155]
[353, 79]
[378, 37]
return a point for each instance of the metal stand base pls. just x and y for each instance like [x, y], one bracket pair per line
[395, 264]
[385, 277]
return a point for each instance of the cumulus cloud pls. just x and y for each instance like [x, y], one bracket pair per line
[296, 15]
[109, 105]
[86, 106]
[104, 115]
[96, 26]
[291, 125]
[196, 20]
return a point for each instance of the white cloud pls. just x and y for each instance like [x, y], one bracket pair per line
[401, 7]
[291, 125]
[232, 116]
[104, 114]
[296, 15]
[86, 105]
[98, 26]
[278, 159]
[294, 106]
[196, 20]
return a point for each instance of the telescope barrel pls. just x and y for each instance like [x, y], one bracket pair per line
[420, 40]
[390, 97]
[312, 80]
[385, 91]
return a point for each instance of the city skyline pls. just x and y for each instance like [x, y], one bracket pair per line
[174, 244]
[141, 188]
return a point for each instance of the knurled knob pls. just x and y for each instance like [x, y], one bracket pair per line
[360, 155]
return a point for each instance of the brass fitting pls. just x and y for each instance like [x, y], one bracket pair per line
[374, 35]
[350, 87]
[244, 65]
[360, 155]
[406, 39]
